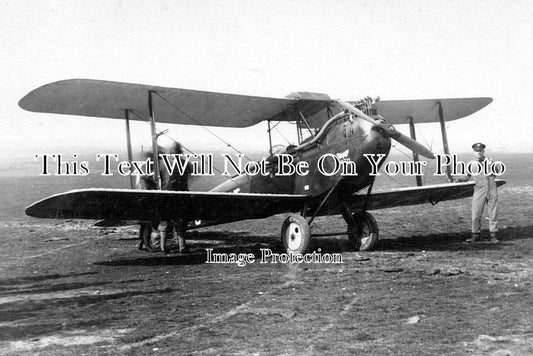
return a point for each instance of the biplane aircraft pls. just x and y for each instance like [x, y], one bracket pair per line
[348, 129]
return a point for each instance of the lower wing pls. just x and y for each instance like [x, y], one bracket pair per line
[415, 195]
[149, 205]
[213, 207]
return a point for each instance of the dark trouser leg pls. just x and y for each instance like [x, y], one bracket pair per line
[145, 232]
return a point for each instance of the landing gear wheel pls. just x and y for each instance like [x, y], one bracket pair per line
[295, 235]
[365, 233]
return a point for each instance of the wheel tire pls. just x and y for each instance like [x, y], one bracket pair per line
[295, 235]
[367, 238]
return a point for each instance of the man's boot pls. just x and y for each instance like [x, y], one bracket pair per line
[475, 237]
[493, 238]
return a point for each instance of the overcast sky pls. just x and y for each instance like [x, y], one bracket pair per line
[347, 49]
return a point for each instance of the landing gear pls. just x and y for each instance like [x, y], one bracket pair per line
[363, 231]
[295, 234]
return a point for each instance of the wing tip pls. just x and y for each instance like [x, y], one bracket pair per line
[30, 101]
[26, 103]
[33, 211]
[488, 100]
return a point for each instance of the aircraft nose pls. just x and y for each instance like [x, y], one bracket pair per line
[390, 131]
[380, 140]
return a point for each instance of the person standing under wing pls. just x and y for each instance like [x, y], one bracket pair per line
[485, 193]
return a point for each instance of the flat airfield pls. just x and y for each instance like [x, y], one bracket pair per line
[68, 287]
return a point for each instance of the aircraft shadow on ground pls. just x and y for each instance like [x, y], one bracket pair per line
[241, 243]
[158, 259]
[454, 241]
[231, 237]
[427, 242]
[196, 256]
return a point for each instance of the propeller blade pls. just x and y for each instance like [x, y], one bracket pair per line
[412, 145]
[390, 131]
[359, 113]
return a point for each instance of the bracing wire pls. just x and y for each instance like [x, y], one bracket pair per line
[406, 155]
[393, 179]
[200, 124]
[172, 139]
[274, 127]
[285, 138]
[402, 152]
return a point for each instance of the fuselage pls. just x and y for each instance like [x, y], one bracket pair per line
[336, 159]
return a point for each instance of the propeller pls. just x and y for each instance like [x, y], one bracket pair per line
[390, 131]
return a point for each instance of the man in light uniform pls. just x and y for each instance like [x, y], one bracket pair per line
[485, 192]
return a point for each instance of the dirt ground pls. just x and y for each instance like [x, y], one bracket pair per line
[68, 287]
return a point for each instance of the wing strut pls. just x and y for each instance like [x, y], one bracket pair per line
[306, 124]
[444, 140]
[415, 155]
[154, 138]
[128, 143]
[269, 137]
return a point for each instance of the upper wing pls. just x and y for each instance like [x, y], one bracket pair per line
[107, 99]
[400, 111]
[131, 204]
[98, 98]
[426, 110]
[415, 195]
